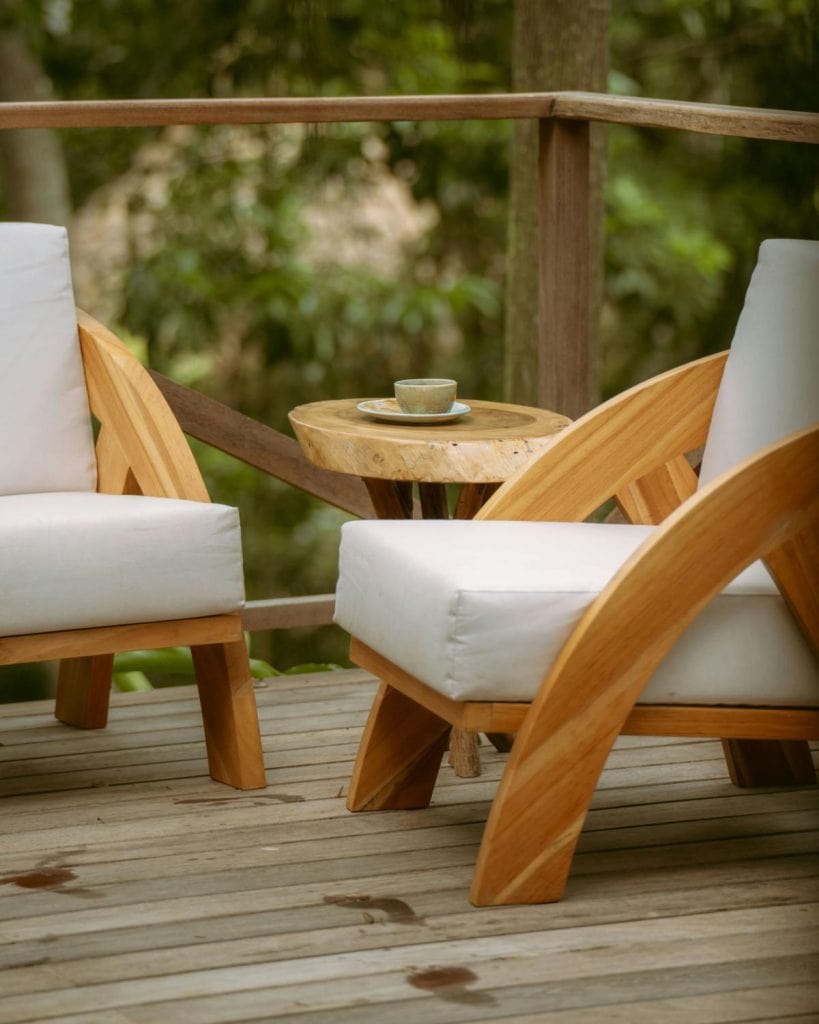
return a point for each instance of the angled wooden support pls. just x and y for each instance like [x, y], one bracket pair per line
[584, 702]
[399, 756]
[229, 714]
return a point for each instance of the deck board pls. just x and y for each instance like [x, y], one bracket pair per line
[173, 899]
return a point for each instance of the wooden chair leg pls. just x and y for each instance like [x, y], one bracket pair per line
[84, 690]
[229, 714]
[399, 756]
[769, 762]
[464, 755]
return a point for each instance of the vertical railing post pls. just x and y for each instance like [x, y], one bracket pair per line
[565, 367]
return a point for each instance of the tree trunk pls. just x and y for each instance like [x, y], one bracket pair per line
[557, 45]
[35, 179]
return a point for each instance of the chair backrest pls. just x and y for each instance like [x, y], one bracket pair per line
[46, 441]
[770, 387]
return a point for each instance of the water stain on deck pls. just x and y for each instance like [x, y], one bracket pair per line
[49, 874]
[450, 984]
[396, 911]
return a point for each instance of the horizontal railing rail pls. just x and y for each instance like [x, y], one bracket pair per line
[747, 122]
[562, 370]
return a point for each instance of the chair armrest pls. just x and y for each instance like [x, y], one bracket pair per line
[629, 438]
[585, 699]
[141, 446]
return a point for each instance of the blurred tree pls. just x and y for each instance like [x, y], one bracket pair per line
[270, 266]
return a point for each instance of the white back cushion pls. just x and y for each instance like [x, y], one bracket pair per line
[46, 442]
[770, 387]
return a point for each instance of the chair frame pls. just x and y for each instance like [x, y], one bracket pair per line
[141, 450]
[632, 447]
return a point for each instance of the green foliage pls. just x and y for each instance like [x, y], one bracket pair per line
[245, 275]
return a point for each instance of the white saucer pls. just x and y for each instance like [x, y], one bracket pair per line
[387, 410]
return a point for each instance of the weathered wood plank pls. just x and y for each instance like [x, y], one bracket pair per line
[787, 125]
[288, 612]
[173, 900]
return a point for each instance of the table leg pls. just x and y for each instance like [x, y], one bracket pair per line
[471, 498]
[433, 501]
[392, 499]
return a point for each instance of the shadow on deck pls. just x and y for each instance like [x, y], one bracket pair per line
[134, 889]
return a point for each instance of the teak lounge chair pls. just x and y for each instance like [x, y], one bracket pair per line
[117, 548]
[572, 633]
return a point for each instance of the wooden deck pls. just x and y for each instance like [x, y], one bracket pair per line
[136, 890]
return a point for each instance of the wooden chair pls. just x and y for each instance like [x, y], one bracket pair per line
[571, 633]
[114, 547]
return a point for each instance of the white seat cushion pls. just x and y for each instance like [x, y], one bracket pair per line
[72, 560]
[479, 610]
[45, 424]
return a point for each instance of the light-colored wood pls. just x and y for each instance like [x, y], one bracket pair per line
[260, 446]
[114, 475]
[748, 122]
[128, 404]
[643, 720]
[229, 714]
[80, 643]
[399, 756]
[565, 359]
[584, 701]
[769, 762]
[795, 567]
[83, 691]
[654, 496]
[620, 441]
[487, 445]
[288, 612]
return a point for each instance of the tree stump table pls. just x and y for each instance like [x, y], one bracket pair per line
[478, 451]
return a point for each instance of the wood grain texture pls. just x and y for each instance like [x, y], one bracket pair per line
[654, 496]
[643, 719]
[487, 445]
[260, 446]
[399, 756]
[786, 125]
[229, 714]
[288, 612]
[584, 701]
[688, 905]
[79, 643]
[564, 374]
[84, 690]
[130, 407]
[620, 441]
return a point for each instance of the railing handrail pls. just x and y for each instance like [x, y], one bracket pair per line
[749, 122]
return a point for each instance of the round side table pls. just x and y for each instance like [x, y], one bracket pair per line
[478, 451]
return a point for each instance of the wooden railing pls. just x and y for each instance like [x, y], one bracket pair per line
[563, 336]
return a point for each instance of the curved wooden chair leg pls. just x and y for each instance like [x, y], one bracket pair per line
[399, 756]
[229, 714]
[537, 815]
[769, 762]
[84, 691]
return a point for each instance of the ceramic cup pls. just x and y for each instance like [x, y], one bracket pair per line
[428, 395]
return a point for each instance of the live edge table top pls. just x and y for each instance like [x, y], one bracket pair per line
[487, 445]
